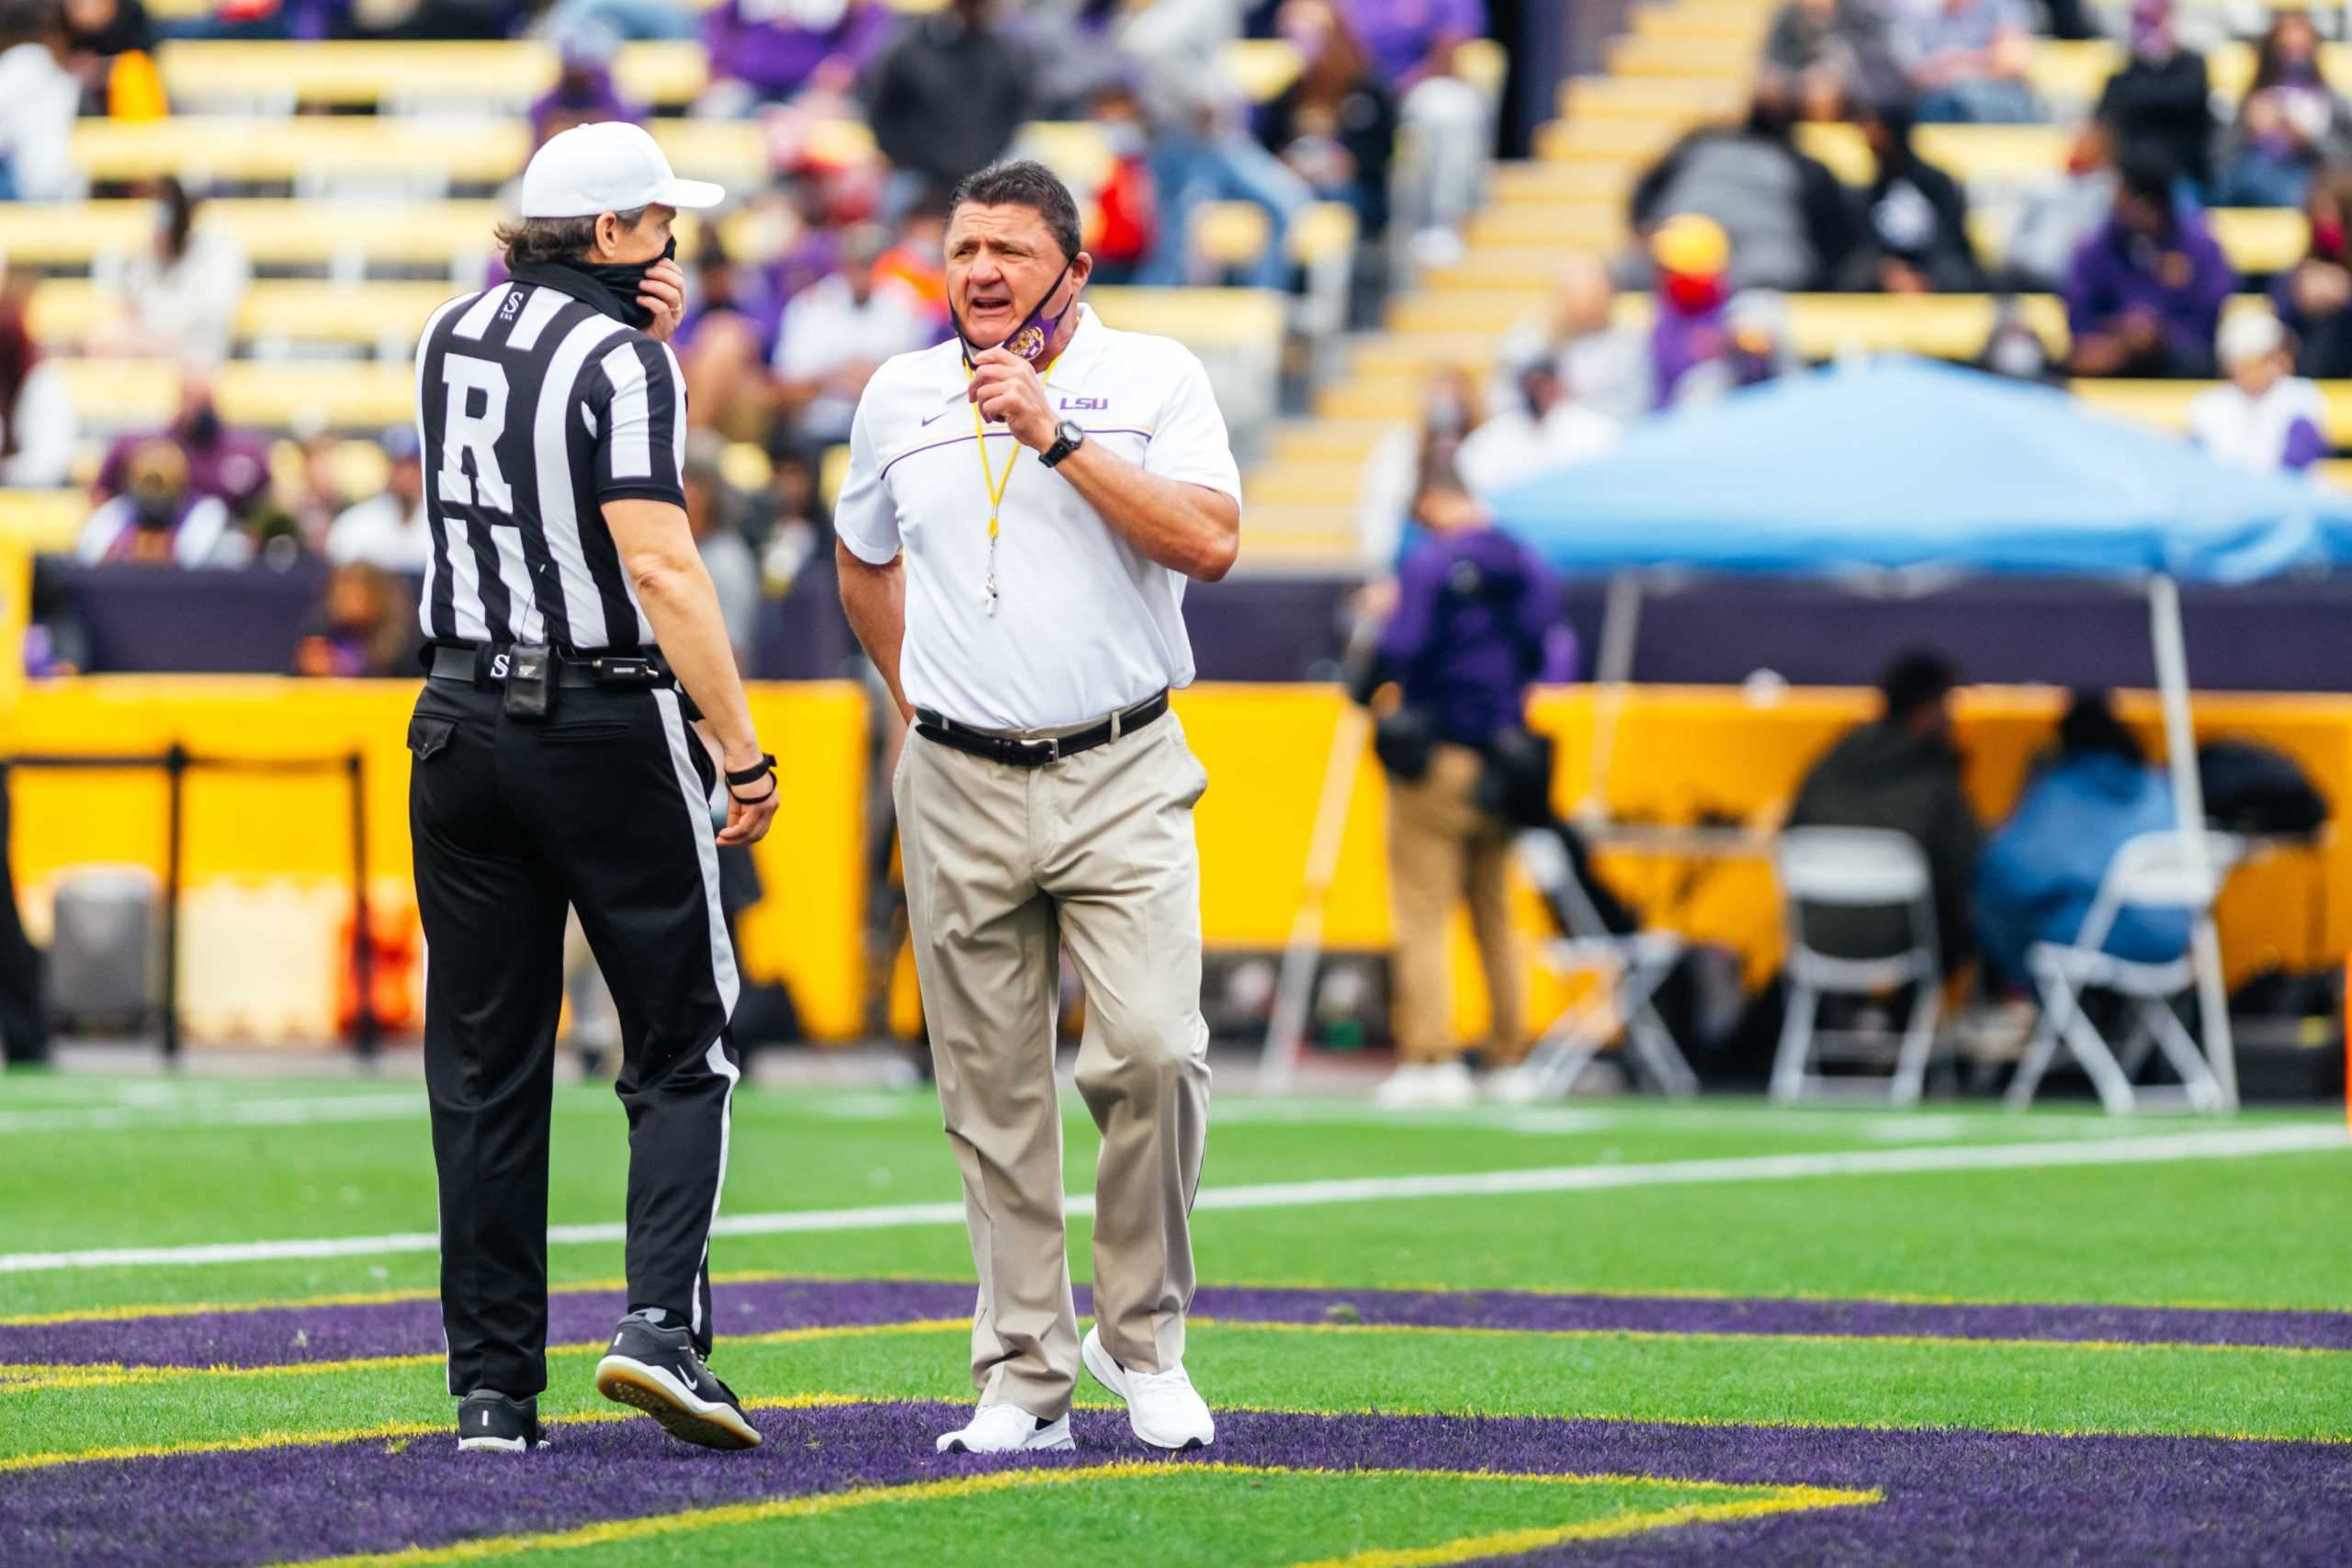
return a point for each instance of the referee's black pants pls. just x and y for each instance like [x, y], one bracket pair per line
[604, 806]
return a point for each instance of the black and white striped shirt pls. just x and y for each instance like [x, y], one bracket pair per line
[534, 408]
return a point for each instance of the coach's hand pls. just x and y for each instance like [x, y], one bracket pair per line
[664, 292]
[747, 820]
[1006, 387]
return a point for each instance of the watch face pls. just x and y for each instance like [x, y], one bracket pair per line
[1069, 429]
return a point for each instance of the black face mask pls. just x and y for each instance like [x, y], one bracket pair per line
[626, 280]
[204, 426]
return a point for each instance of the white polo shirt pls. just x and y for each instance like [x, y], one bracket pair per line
[1085, 624]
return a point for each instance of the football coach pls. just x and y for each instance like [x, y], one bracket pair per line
[573, 635]
[1023, 507]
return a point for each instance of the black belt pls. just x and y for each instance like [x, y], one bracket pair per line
[483, 665]
[1036, 753]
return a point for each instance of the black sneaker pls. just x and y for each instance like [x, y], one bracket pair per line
[490, 1421]
[656, 1369]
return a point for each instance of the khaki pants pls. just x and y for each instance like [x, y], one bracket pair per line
[1003, 865]
[1441, 850]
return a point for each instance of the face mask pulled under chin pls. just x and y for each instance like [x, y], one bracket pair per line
[1036, 330]
[626, 280]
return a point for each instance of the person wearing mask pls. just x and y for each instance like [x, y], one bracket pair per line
[947, 95]
[1824, 54]
[389, 530]
[2161, 98]
[2055, 221]
[1692, 299]
[362, 629]
[1451, 409]
[764, 52]
[1787, 223]
[584, 92]
[2144, 294]
[1899, 771]
[1411, 46]
[1335, 124]
[1603, 367]
[110, 48]
[836, 332]
[1477, 620]
[2263, 417]
[1536, 429]
[229, 464]
[1914, 217]
[38, 100]
[2043, 869]
[180, 297]
[2311, 297]
[1126, 221]
[2289, 124]
[1965, 59]
[1757, 346]
[37, 424]
[160, 518]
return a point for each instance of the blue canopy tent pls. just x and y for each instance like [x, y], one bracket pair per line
[1899, 467]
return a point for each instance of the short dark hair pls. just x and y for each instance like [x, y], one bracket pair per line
[2148, 173]
[1916, 681]
[1022, 182]
[533, 240]
[2090, 727]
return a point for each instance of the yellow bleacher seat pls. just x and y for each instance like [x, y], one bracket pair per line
[273, 233]
[119, 394]
[46, 521]
[222, 147]
[1659, 98]
[2258, 239]
[1740, 21]
[1075, 149]
[1482, 307]
[2165, 403]
[1301, 483]
[1534, 181]
[1972, 155]
[1203, 317]
[356, 315]
[1228, 235]
[355, 74]
[832, 472]
[2071, 75]
[1483, 63]
[1321, 232]
[1613, 142]
[1276, 533]
[1590, 225]
[1258, 68]
[1327, 440]
[1683, 58]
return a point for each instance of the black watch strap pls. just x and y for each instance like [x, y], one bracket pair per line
[1065, 442]
[762, 768]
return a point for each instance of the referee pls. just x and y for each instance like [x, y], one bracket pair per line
[573, 637]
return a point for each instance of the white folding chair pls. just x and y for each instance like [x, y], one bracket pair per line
[1855, 868]
[2154, 871]
[1634, 964]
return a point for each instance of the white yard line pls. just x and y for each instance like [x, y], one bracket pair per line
[163, 1116]
[2147, 1150]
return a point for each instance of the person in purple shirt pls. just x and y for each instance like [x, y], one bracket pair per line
[1477, 619]
[769, 50]
[228, 464]
[583, 91]
[2145, 291]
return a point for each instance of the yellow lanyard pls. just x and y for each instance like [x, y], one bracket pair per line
[994, 486]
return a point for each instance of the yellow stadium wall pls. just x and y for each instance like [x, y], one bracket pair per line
[807, 931]
[1681, 753]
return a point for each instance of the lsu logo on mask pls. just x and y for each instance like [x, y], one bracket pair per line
[1028, 343]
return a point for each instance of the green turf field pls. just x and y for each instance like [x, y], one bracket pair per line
[1720, 1332]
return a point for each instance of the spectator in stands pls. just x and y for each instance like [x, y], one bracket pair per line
[714, 517]
[1757, 344]
[795, 526]
[1788, 222]
[178, 298]
[1394, 473]
[229, 464]
[1602, 366]
[2056, 221]
[2042, 868]
[836, 332]
[1823, 54]
[584, 92]
[1211, 156]
[364, 627]
[2289, 122]
[945, 97]
[36, 426]
[2263, 417]
[1690, 300]
[1900, 772]
[2161, 98]
[1535, 429]
[39, 99]
[110, 49]
[162, 517]
[762, 52]
[1914, 217]
[2313, 297]
[1335, 124]
[1966, 59]
[914, 261]
[1125, 225]
[1477, 619]
[389, 530]
[631, 20]
[2144, 294]
[1412, 45]
[2016, 349]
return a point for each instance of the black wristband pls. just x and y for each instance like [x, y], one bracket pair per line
[762, 768]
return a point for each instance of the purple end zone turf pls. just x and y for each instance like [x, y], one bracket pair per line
[1952, 1497]
[412, 1328]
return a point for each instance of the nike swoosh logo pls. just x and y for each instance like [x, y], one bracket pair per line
[941, 414]
[691, 1383]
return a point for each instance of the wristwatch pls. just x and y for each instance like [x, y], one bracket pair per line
[1067, 437]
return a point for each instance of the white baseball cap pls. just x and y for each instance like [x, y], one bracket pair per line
[609, 166]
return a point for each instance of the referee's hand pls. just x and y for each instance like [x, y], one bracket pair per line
[664, 292]
[747, 820]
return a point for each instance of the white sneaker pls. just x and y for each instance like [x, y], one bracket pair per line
[1164, 1407]
[1006, 1430]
